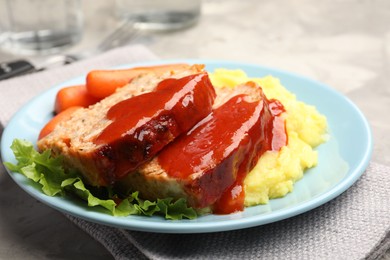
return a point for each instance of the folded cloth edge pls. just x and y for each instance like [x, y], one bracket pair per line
[36, 83]
[112, 239]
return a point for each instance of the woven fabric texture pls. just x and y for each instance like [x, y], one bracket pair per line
[355, 225]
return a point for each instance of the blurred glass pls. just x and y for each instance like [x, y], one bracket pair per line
[160, 14]
[39, 26]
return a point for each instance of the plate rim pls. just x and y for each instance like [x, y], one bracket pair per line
[184, 226]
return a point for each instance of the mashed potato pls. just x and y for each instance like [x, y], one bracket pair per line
[275, 173]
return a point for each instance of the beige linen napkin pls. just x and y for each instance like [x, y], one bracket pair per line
[353, 226]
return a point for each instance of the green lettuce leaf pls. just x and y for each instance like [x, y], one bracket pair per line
[38, 167]
[42, 168]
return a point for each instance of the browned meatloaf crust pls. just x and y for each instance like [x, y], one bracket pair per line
[74, 139]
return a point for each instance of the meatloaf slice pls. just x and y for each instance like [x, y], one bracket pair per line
[208, 164]
[113, 137]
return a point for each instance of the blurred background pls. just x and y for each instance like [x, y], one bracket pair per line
[310, 38]
[343, 43]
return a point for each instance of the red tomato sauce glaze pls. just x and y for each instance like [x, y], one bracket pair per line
[142, 125]
[214, 157]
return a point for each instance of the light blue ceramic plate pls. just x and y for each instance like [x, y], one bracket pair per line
[342, 159]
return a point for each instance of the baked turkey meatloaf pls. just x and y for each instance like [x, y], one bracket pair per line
[112, 138]
[207, 165]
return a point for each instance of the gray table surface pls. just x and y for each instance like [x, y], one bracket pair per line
[342, 43]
